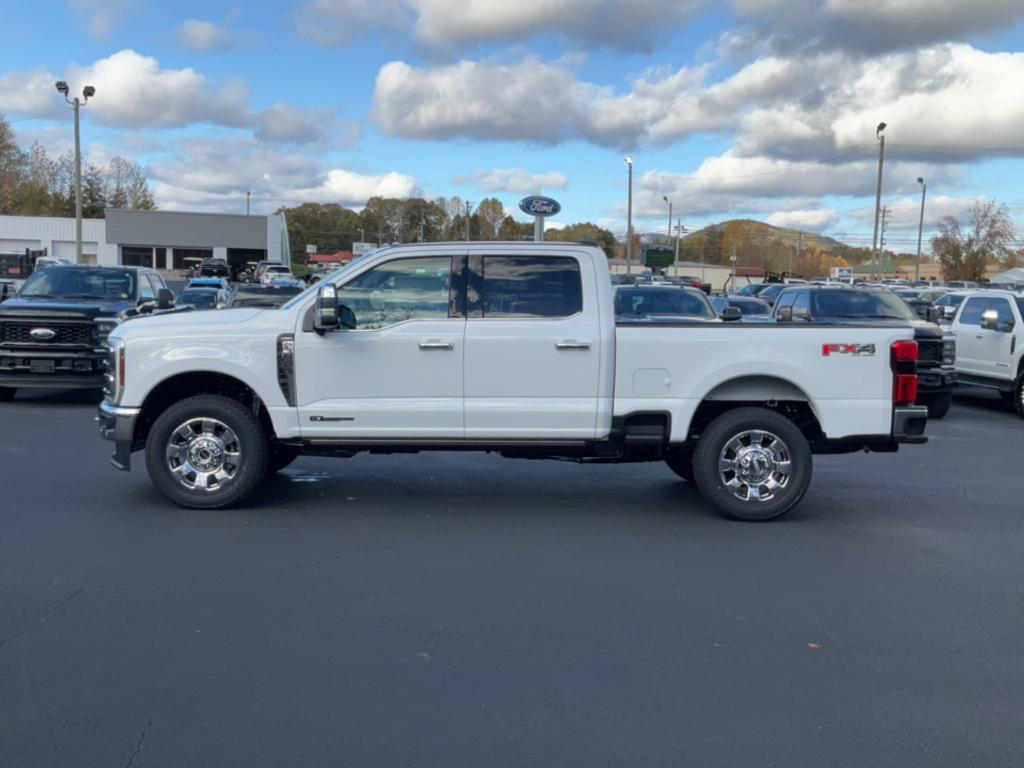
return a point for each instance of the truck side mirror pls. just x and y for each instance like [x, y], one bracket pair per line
[784, 315]
[933, 314]
[730, 314]
[165, 299]
[990, 320]
[325, 313]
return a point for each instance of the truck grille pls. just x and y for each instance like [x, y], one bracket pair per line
[66, 334]
[930, 352]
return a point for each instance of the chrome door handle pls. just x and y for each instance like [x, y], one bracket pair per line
[437, 346]
[566, 345]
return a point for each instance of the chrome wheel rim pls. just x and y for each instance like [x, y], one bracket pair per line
[203, 454]
[755, 466]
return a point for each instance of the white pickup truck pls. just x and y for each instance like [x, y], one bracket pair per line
[506, 347]
[989, 330]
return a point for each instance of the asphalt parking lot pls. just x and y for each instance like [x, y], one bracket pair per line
[448, 609]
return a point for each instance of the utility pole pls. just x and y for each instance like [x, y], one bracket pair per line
[799, 251]
[469, 207]
[881, 242]
[679, 230]
[247, 195]
[629, 218]
[920, 229]
[87, 93]
[665, 198]
[878, 194]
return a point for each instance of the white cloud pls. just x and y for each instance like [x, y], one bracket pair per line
[199, 35]
[814, 219]
[448, 25]
[516, 180]
[904, 212]
[29, 93]
[211, 174]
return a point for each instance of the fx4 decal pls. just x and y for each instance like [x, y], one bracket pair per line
[863, 350]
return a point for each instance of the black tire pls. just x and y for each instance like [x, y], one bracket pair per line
[280, 457]
[939, 404]
[1018, 396]
[1008, 397]
[7, 394]
[727, 428]
[680, 461]
[247, 437]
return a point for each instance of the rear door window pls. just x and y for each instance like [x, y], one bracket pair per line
[530, 287]
[802, 305]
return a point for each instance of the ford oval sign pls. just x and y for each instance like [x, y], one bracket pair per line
[539, 206]
[43, 334]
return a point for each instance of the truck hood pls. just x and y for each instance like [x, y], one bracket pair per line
[198, 324]
[81, 308]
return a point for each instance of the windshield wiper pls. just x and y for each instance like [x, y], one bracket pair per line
[80, 296]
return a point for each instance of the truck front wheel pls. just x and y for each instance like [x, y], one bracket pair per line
[207, 452]
[753, 464]
[7, 394]
[939, 404]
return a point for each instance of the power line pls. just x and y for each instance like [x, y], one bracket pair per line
[37, 117]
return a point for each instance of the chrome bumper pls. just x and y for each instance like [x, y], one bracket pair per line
[117, 424]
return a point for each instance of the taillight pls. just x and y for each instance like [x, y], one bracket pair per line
[903, 362]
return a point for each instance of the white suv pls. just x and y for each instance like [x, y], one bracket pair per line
[989, 329]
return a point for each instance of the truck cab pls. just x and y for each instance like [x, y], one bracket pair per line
[989, 330]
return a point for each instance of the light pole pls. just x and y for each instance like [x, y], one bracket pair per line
[665, 198]
[469, 208]
[920, 229]
[679, 230]
[247, 196]
[629, 219]
[87, 93]
[362, 235]
[878, 194]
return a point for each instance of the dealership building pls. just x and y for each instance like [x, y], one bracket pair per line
[165, 240]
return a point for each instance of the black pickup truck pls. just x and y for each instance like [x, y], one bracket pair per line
[53, 333]
[936, 367]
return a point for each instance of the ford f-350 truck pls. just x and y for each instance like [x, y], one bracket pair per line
[505, 347]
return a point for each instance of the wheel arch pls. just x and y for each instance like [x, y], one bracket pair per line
[178, 386]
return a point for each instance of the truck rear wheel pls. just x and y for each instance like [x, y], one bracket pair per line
[7, 394]
[1018, 396]
[207, 452]
[753, 464]
[939, 404]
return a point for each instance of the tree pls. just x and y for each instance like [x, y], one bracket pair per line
[12, 168]
[489, 214]
[964, 252]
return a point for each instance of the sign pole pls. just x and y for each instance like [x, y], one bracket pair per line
[538, 229]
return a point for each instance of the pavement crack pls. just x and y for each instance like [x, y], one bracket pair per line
[138, 747]
[47, 614]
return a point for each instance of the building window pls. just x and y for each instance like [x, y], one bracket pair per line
[188, 257]
[239, 258]
[161, 259]
[136, 256]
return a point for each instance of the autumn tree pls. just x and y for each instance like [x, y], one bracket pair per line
[965, 250]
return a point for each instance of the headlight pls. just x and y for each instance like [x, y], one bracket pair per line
[948, 352]
[103, 328]
[114, 378]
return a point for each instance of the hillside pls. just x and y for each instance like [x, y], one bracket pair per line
[758, 230]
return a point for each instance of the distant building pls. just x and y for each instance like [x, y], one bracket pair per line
[165, 240]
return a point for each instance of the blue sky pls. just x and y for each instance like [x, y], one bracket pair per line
[759, 108]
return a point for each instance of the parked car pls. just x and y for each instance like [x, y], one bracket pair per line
[752, 289]
[276, 271]
[849, 306]
[269, 295]
[663, 304]
[949, 303]
[203, 297]
[217, 283]
[214, 268]
[53, 333]
[510, 347]
[692, 282]
[989, 330]
[771, 292]
[752, 309]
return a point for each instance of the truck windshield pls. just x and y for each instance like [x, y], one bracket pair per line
[670, 301]
[865, 304]
[80, 283]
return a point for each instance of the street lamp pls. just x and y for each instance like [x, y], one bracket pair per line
[87, 93]
[920, 228]
[878, 194]
[629, 219]
[665, 198]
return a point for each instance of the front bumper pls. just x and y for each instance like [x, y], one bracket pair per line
[908, 424]
[117, 424]
[932, 381]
